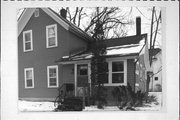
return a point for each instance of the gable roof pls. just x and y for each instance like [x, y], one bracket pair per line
[28, 12]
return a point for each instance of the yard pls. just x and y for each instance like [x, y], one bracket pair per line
[32, 106]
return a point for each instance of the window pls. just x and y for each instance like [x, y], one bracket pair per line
[51, 36]
[29, 77]
[116, 73]
[27, 41]
[36, 13]
[82, 69]
[52, 75]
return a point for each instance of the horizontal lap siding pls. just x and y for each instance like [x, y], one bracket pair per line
[130, 79]
[41, 57]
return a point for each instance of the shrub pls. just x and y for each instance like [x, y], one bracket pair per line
[126, 98]
[71, 104]
[100, 96]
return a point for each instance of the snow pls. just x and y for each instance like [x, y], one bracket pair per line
[33, 106]
[124, 50]
[154, 106]
[106, 108]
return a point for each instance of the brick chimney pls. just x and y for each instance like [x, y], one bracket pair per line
[138, 25]
[63, 13]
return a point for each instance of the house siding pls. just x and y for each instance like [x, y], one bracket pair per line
[131, 73]
[130, 79]
[41, 57]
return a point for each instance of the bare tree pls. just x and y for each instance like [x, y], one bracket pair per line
[155, 28]
[113, 19]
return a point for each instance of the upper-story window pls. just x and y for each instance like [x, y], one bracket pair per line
[27, 41]
[51, 36]
[36, 13]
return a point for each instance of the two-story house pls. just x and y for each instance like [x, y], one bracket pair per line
[54, 53]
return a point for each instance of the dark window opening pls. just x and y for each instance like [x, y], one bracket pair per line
[156, 78]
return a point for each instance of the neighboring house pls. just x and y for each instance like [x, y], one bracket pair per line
[156, 78]
[54, 53]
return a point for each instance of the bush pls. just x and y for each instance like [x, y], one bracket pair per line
[71, 104]
[126, 98]
[100, 96]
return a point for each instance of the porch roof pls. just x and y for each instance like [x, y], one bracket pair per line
[115, 51]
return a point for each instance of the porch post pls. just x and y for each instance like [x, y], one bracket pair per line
[89, 76]
[75, 79]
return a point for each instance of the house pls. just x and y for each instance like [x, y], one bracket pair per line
[53, 53]
[156, 78]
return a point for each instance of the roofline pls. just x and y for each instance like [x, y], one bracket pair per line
[24, 18]
[128, 56]
[28, 12]
[124, 40]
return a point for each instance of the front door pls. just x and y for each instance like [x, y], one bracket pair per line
[82, 80]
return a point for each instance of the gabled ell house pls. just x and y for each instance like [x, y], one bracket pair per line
[53, 53]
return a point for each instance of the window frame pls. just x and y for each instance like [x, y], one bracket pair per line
[24, 41]
[25, 77]
[47, 37]
[48, 76]
[110, 72]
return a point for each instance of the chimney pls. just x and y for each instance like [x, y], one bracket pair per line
[63, 13]
[138, 25]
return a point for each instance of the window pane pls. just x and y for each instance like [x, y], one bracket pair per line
[51, 41]
[27, 46]
[51, 32]
[27, 37]
[29, 82]
[117, 77]
[117, 66]
[52, 82]
[52, 72]
[82, 70]
[29, 74]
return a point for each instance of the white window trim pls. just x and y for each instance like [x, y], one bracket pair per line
[24, 42]
[27, 69]
[47, 38]
[57, 83]
[110, 73]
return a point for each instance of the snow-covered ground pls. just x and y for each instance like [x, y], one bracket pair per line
[49, 106]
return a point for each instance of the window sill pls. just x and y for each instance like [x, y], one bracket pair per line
[51, 46]
[52, 86]
[29, 87]
[115, 84]
[28, 51]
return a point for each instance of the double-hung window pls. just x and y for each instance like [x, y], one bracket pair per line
[29, 77]
[27, 41]
[52, 75]
[116, 73]
[51, 36]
